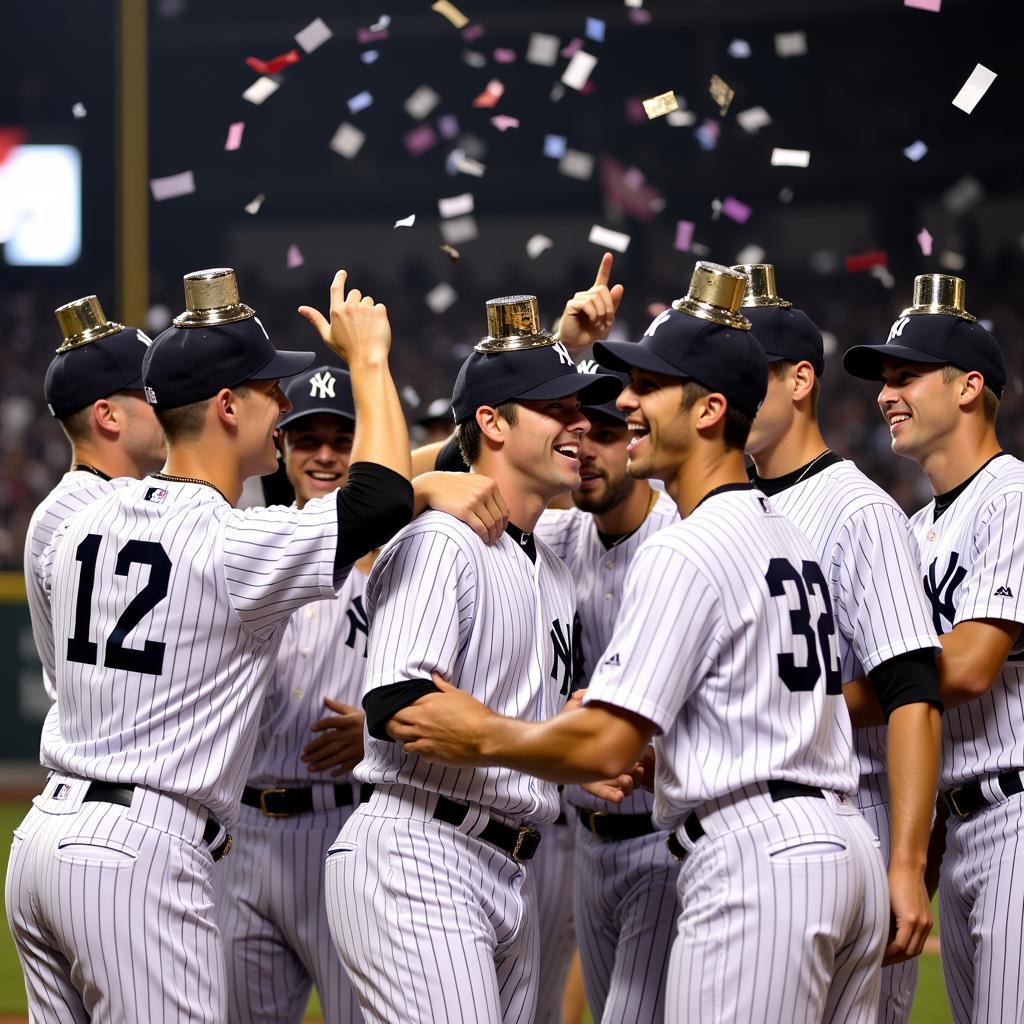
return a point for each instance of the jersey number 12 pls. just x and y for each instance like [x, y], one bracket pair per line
[150, 659]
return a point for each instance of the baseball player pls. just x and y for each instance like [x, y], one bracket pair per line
[724, 650]
[625, 878]
[93, 388]
[943, 375]
[168, 609]
[270, 899]
[430, 899]
[883, 624]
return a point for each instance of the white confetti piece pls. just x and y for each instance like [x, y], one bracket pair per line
[253, 206]
[974, 88]
[315, 34]
[172, 186]
[455, 206]
[578, 70]
[790, 44]
[576, 164]
[379, 26]
[949, 260]
[369, 56]
[962, 195]
[543, 49]
[753, 119]
[681, 118]
[537, 244]
[740, 49]
[617, 241]
[360, 101]
[750, 254]
[234, 139]
[915, 151]
[406, 222]
[78, 111]
[260, 90]
[790, 157]
[347, 140]
[459, 230]
[421, 102]
[460, 163]
[440, 297]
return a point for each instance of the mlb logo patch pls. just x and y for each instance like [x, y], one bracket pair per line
[62, 792]
[155, 494]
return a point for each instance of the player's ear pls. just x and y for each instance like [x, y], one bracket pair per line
[226, 402]
[491, 423]
[802, 378]
[710, 410]
[972, 384]
[106, 417]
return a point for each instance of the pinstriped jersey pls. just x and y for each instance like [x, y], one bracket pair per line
[870, 558]
[972, 560]
[495, 623]
[323, 654]
[168, 612]
[600, 576]
[726, 643]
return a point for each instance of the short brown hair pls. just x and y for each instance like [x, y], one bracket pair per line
[989, 399]
[781, 368]
[737, 423]
[76, 424]
[469, 435]
[185, 423]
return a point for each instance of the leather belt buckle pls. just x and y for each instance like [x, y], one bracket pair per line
[264, 793]
[593, 819]
[527, 841]
[224, 849]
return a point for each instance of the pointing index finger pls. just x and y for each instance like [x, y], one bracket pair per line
[604, 271]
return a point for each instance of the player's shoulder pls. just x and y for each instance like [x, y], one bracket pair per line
[435, 530]
[557, 525]
[1002, 475]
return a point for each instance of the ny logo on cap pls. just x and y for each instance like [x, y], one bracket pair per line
[563, 354]
[588, 366]
[322, 385]
[897, 328]
[144, 338]
[657, 322]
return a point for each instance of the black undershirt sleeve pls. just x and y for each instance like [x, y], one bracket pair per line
[380, 704]
[449, 458]
[909, 678]
[373, 506]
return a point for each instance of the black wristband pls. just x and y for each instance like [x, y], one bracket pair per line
[383, 702]
[909, 678]
[373, 506]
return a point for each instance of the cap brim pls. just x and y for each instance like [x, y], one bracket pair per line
[865, 361]
[293, 416]
[593, 388]
[285, 364]
[609, 409]
[625, 355]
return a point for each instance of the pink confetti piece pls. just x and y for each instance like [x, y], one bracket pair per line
[640, 16]
[633, 178]
[367, 35]
[635, 113]
[571, 47]
[505, 56]
[471, 32]
[924, 5]
[420, 139]
[924, 239]
[490, 96]
[503, 122]
[295, 257]
[735, 210]
[448, 126]
[234, 139]
[684, 236]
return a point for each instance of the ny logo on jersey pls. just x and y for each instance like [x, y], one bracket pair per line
[563, 651]
[321, 385]
[357, 623]
[897, 328]
[563, 354]
[942, 592]
[657, 322]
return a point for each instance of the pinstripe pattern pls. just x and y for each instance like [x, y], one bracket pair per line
[625, 891]
[552, 873]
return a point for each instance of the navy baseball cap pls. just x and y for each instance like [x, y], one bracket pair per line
[324, 389]
[609, 408]
[787, 335]
[438, 409]
[547, 371]
[725, 359]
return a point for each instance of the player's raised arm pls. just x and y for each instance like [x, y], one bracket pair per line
[588, 316]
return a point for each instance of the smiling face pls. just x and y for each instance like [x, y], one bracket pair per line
[658, 425]
[261, 405]
[544, 444]
[605, 483]
[317, 450]
[921, 408]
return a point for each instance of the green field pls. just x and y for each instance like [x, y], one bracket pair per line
[929, 1008]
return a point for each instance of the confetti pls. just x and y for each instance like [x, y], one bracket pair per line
[369, 35]
[382, 23]
[459, 163]
[716, 208]
[455, 206]
[260, 90]
[866, 260]
[234, 139]
[572, 47]
[721, 93]
[578, 70]
[295, 257]
[707, 135]
[952, 261]
[473, 32]
[172, 186]
[753, 119]
[700, 250]
[681, 118]
[490, 96]
[640, 17]
[474, 59]
[451, 12]
[411, 396]
[595, 30]
[962, 195]
[974, 88]
[924, 239]
[735, 210]
[633, 178]
[253, 206]
[440, 297]
[881, 273]
[684, 235]
[406, 222]
[537, 244]
[78, 110]
[314, 35]
[786, 195]
[790, 157]
[448, 126]
[924, 5]
[750, 254]
[421, 103]
[542, 49]
[915, 151]
[554, 146]
[360, 101]
[451, 252]
[347, 140]
[790, 44]
[557, 92]
[663, 103]
[505, 56]
[369, 56]
[608, 239]
[420, 139]
[824, 261]
[739, 48]
[503, 122]
[274, 65]
[634, 3]
[576, 164]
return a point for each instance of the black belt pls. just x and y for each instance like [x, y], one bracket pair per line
[613, 827]
[776, 790]
[520, 843]
[278, 802]
[968, 798]
[113, 793]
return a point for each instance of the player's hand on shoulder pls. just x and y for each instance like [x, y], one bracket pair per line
[911, 915]
[588, 316]
[339, 741]
[358, 329]
[470, 497]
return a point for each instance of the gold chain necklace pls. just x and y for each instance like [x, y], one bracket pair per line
[810, 465]
[189, 480]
